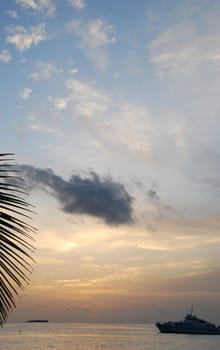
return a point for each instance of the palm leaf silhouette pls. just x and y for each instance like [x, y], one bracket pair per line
[16, 236]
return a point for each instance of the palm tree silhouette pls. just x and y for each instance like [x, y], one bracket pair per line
[16, 236]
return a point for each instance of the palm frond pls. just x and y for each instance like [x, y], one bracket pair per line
[16, 236]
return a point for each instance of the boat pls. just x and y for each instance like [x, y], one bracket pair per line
[191, 324]
[37, 321]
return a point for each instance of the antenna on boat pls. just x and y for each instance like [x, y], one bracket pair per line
[191, 310]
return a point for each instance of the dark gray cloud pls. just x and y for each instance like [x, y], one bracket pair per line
[156, 209]
[92, 195]
[153, 196]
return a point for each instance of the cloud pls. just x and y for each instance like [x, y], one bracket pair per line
[151, 210]
[115, 125]
[77, 4]
[73, 71]
[84, 99]
[24, 38]
[12, 14]
[131, 122]
[184, 48]
[38, 122]
[5, 56]
[212, 181]
[45, 71]
[87, 100]
[25, 93]
[99, 197]
[95, 36]
[45, 6]
[60, 103]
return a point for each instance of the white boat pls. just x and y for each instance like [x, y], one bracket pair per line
[191, 324]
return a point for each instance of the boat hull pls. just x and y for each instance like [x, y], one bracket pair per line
[186, 330]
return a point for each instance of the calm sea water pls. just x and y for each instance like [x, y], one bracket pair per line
[66, 336]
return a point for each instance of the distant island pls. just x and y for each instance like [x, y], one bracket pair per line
[37, 321]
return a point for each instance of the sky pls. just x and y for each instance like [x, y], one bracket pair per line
[112, 111]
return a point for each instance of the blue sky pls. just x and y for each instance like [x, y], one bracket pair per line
[112, 110]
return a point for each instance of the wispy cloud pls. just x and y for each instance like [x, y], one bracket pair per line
[12, 14]
[25, 93]
[23, 38]
[43, 6]
[60, 103]
[45, 71]
[183, 48]
[95, 196]
[95, 37]
[73, 71]
[5, 56]
[86, 100]
[44, 121]
[114, 125]
[212, 181]
[77, 4]
[139, 128]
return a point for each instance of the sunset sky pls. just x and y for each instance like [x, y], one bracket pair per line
[112, 110]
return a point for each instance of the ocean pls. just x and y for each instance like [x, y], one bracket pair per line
[74, 336]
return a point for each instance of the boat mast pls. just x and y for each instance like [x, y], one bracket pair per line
[191, 310]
